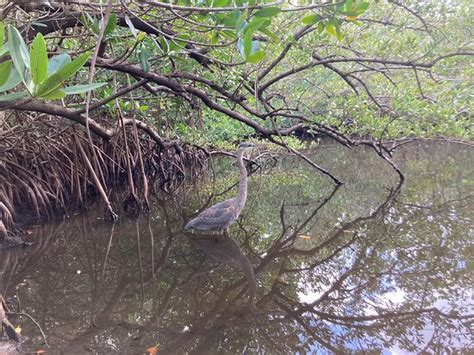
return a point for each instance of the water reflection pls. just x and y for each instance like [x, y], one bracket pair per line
[359, 268]
[225, 250]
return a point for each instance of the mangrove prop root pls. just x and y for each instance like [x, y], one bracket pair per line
[47, 171]
[110, 214]
[5, 323]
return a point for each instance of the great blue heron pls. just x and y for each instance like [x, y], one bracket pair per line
[220, 216]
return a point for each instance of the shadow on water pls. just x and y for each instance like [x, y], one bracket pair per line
[363, 267]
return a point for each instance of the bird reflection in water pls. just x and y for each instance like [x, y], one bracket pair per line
[227, 251]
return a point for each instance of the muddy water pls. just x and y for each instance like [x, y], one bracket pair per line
[328, 270]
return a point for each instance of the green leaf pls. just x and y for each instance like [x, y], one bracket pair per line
[111, 25]
[331, 29]
[231, 19]
[229, 34]
[181, 40]
[321, 26]
[4, 49]
[256, 23]
[248, 43]
[273, 36]
[363, 5]
[256, 57]
[5, 69]
[311, 19]
[38, 60]
[2, 33]
[79, 89]
[214, 37]
[13, 96]
[220, 3]
[164, 44]
[55, 80]
[144, 56]
[57, 62]
[87, 21]
[91, 23]
[13, 80]
[141, 36]
[268, 12]
[18, 53]
[54, 95]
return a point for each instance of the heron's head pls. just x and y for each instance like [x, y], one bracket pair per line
[246, 145]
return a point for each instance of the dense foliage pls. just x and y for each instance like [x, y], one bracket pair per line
[227, 69]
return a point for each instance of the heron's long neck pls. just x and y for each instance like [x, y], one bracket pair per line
[242, 195]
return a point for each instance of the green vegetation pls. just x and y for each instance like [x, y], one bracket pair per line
[125, 79]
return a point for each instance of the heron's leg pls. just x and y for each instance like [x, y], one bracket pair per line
[225, 232]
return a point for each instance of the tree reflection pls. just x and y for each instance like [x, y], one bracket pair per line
[328, 271]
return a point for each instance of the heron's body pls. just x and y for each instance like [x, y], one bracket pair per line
[220, 216]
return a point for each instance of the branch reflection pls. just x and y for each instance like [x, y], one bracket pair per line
[326, 269]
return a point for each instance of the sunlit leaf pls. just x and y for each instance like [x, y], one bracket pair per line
[54, 95]
[256, 57]
[214, 37]
[311, 19]
[331, 29]
[2, 33]
[141, 36]
[339, 34]
[5, 69]
[38, 59]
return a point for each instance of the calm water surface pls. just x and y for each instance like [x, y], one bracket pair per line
[354, 269]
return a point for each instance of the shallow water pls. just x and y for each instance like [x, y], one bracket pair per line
[335, 270]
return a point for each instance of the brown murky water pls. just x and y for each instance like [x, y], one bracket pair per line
[334, 270]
